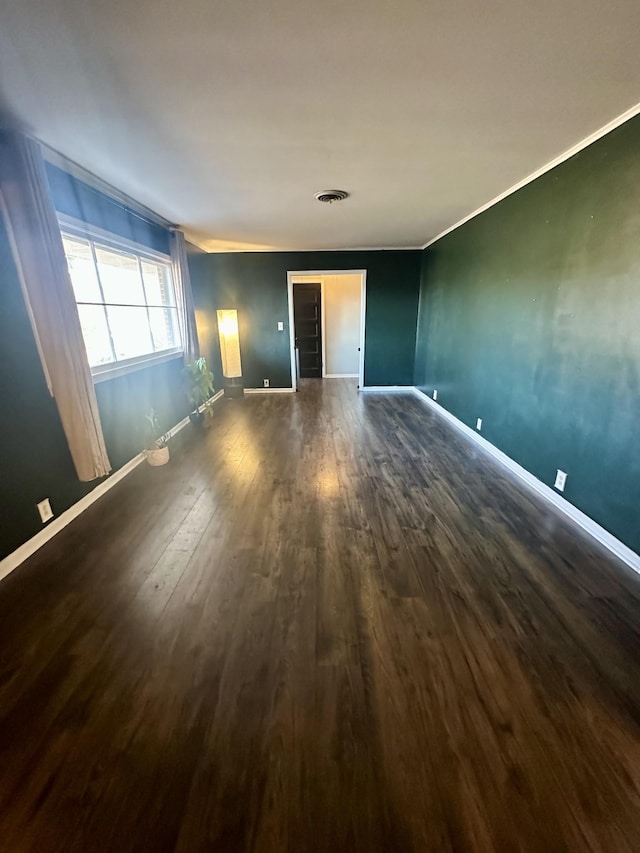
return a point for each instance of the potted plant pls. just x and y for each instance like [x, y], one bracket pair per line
[157, 450]
[199, 387]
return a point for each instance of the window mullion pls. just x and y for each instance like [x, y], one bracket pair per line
[104, 306]
[146, 302]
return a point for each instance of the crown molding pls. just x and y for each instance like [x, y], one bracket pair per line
[201, 244]
[77, 171]
[575, 149]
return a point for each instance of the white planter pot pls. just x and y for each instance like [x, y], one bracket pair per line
[158, 456]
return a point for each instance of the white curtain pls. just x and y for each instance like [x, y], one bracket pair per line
[184, 296]
[39, 255]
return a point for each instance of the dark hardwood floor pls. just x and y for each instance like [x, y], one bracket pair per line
[330, 624]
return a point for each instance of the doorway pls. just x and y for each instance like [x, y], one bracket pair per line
[327, 324]
[307, 320]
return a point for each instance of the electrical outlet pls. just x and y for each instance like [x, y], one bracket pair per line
[44, 508]
[265, 382]
[435, 393]
[561, 480]
[479, 424]
[280, 326]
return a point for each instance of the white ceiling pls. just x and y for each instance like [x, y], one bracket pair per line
[228, 116]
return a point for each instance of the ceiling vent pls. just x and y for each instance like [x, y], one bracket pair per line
[329, 196]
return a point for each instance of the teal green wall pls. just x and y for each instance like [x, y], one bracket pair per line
[34, 457]
[530, 319]
[75, 198]
[256, 284]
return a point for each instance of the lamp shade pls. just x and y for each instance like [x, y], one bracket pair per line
[229, 343]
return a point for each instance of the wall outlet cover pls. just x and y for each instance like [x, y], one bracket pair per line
[561, 480]
[44, 508]
[265, 382]
[479, 424]
[280, 326]
[435, 393]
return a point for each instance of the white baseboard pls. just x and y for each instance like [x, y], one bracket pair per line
[216, 396]
[15, 558]
[599, 533]
[269, 390]
[340, 376]
[24, 551]
[387, 389]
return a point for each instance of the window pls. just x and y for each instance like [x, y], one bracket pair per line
[126, 302]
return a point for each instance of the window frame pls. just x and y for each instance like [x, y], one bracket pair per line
[76, 228]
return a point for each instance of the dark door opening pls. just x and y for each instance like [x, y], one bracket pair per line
[307, 321]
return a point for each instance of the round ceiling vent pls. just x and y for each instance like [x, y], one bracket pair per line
[329, 196]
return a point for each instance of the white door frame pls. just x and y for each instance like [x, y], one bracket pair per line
[291, 274]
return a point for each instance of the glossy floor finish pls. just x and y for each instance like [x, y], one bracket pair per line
[330, 624]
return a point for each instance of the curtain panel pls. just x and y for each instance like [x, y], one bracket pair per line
[184, 296]
[33, 228]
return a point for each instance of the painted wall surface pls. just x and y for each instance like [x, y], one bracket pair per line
[74, 198]
[530, 319]
[256, 284]
[34, 457]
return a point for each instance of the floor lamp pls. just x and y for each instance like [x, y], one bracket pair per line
[230, 352]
